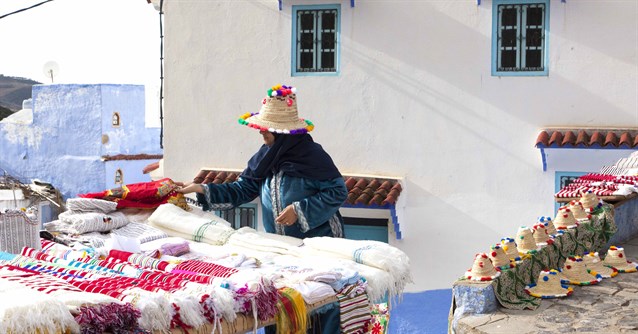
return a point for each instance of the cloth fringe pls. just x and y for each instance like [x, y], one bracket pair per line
[291, 317]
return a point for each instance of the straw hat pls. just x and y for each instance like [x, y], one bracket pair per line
[564, 219]
[482, 269]
[548, 285]
[590, 201]
[499, 258]
[595, 265]
[576, 273]
[510, 248]
[615, 258]
[577, 209]
[525, 240]
[541, 235]
[278, 113]
[549, 225]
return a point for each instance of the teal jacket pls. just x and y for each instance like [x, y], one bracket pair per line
[316, 202]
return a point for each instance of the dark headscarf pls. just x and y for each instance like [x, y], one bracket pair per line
[295, 155]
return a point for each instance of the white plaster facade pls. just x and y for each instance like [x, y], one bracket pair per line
[414, 98]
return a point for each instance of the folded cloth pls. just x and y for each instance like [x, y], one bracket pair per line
[261, 242]
[313, 292]
[79, 204]
[84, 222]
[175, 249]
[179, 223]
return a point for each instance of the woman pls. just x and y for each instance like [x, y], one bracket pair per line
[301, 189]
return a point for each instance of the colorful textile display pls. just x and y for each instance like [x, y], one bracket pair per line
[601, 185]
[24, 310]
[95, 313]
[146, 195]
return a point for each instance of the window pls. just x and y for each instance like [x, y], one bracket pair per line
[119, 177]
[115, 121]
[244, 215]
[315, 40]
[519, 43]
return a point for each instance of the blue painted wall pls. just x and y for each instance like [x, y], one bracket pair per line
[425, 313]
[64, 144]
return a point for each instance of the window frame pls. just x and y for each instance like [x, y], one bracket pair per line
[495, 31]
[293, 62]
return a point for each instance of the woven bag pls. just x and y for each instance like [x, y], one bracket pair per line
[17, 230]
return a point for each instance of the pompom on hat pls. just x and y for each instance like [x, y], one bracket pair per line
[278, 113]
[578, 210]
[549, 225]
[482, 269]
[616, 258]
[549, 285]
[499, 258]
[576, 273]
[593, 263]
[590, 201]
[565, 219]
[541, 235]
[510, 248]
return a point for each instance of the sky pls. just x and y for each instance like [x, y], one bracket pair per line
[91, 41]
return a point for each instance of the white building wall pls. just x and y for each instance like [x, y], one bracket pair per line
[414, 98]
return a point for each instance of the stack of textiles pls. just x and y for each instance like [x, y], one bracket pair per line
[601, 185]
[156, 295]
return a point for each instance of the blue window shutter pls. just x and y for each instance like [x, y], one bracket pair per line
[315, 41]
[520, 43]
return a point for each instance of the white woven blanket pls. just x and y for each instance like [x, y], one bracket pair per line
[179, 223]
[24, 310]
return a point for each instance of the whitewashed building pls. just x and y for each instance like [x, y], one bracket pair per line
[448, 96]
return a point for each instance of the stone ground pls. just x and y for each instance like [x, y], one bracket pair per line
[610, 306]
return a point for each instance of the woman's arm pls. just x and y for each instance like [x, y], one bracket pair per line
[226, 196]
[317, 209]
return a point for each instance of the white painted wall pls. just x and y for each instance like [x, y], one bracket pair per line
[415, 98]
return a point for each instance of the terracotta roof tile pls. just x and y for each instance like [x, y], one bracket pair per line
[582, 139]
[364, 191]
[569, 139]
[596, 139]
[542, 139]
[556, 138]
[626, 139]
[611, 139]
[593, 138]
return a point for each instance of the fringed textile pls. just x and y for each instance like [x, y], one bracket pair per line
[291, 317]
[140, 260]
[355, 309]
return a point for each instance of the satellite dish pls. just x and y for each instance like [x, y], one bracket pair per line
[51, 70]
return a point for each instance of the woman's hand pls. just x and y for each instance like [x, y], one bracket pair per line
[287, 217]
[190, 188]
